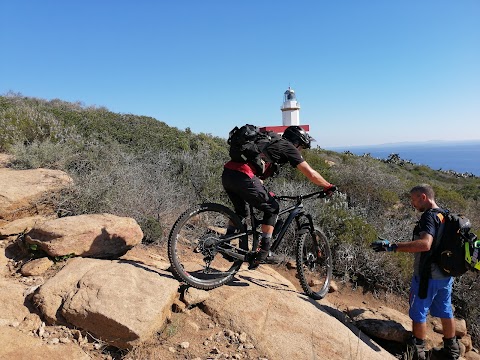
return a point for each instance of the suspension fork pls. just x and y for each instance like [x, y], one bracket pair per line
[306, 226]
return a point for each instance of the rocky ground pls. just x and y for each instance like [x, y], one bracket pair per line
[262, 314]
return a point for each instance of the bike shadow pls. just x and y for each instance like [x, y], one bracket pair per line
[246, 280]
[343, 318]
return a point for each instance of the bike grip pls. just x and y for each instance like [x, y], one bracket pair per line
[329, 190]
[332, 188]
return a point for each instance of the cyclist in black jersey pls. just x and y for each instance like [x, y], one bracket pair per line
[243, 185]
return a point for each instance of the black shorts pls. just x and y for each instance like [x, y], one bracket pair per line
[241, 189]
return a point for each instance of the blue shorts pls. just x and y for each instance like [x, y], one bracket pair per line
[438, 300]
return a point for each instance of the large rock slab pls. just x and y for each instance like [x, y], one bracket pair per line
[94, 235]
[17, 345]
[21, 190]
[122, 303]
[21, 225]
[284, 323]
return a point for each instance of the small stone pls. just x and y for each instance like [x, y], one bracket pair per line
[64, 340]
[185, 345]
[249, 346]
[215, 350]
[97, 346]
[211, 326]
[36, 267]
[242, 337]
[333, 287]
[53, 341]
[172, 349]
[178, 306]
[291, 265]
[192, 326]
[193, 296]
[229, 333]
[206, 342]
[41, 330]
[240, 347]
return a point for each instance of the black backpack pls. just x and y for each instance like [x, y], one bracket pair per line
[456, 249]
[247, 144]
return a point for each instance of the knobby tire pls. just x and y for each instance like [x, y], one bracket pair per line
[190, 243]
[314, 263]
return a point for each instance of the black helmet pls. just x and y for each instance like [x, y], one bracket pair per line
[297, 136]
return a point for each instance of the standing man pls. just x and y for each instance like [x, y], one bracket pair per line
[243, 185]
[431, 288]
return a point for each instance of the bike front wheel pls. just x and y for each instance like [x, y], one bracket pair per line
[193, 246]
[314, 263]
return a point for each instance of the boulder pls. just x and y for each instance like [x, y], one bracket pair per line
[467, 342]
[20, 346]
[192, 296]
[460, 327]
[22, 190]
[472, 356]
[95, 235]
[21, 225]
[283, 323]
[122, 303]
[36, 267]
[12, 303]
[383, 323]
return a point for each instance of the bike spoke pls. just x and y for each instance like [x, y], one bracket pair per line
[194, 248]
[314, 264]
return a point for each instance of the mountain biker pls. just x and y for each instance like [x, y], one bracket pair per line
[431, 289]
[243, 185]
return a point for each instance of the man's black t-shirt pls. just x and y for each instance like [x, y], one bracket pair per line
[430, 223]
[282, 152]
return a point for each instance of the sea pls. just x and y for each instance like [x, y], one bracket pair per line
[459, 156]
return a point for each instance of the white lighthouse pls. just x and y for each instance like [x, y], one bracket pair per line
[290, 114]
[290, 109]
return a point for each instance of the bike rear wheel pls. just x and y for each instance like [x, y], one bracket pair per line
[314, 263]
[192, 251]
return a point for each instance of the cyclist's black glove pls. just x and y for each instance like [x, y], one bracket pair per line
[383, 245]
[329, 190]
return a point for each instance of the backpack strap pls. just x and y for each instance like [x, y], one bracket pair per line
[427, 258]
[442, 215]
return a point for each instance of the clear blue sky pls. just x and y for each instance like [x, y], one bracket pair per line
[365, 71]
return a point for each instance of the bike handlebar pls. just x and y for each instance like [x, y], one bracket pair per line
[299, 198]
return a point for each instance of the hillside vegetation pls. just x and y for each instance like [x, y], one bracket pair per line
[140, 167]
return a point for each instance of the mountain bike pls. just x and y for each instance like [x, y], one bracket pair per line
[204, 256]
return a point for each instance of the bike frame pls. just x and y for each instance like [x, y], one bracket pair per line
[296, 212]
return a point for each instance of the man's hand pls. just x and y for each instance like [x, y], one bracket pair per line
[383, 245]
[329, 190]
